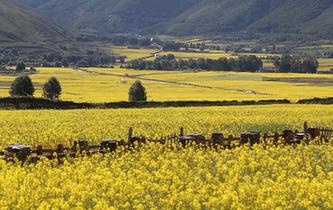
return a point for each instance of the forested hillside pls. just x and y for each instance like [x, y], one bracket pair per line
[113, 16]
[190, 17]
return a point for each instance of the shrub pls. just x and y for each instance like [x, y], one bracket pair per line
[22, 87]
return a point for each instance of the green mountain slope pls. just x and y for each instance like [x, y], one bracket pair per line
[24, 26]
[299, 16]
[110, 16]
[216, 16]
[190, 17]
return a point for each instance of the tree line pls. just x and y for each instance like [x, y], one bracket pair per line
[296, 64]
[249, 63]
[90, 59]
[246, 63]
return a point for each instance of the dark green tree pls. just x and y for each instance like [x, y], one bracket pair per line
[137, 92]
[22, 87]
[284, 64]
[52, 89]
[20, 66]
[310, 65]
[296, 64]
[249, 63]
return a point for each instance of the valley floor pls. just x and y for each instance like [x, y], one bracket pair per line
[112, 84]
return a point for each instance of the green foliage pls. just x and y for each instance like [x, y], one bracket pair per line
[137, 92]
[169, 62]
[52, 89]
[249, 63]
[288, 63]
[22, 87]
[310, 65]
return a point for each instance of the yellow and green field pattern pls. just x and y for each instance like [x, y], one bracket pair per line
[112, 84]
[325, 64]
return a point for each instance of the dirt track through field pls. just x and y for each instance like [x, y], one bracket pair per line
[138, 77]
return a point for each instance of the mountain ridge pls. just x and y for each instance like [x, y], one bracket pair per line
[190, 17]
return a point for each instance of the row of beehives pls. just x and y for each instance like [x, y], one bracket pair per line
[23, 152]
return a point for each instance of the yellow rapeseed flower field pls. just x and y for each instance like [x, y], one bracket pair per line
[325, 63]
[50, 127]
[130, 54]
[191, 178]
[106, 85]
[156, 177]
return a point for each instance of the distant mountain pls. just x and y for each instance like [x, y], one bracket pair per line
[110, 16]
[20, 25]
[190, 17]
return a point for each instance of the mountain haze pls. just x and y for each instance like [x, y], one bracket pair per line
[190, 17]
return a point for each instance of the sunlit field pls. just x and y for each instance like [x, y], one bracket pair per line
[157, 177]
[106, 85]
[215, 120]
[131, 54]
[325, 64]
[196, 55]
[53, 127]
[214, 54]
